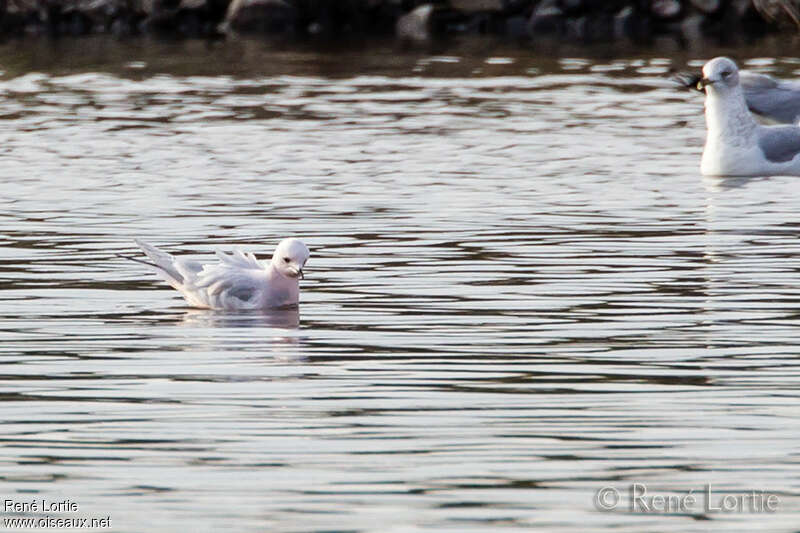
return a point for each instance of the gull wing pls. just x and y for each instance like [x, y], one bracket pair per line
[779, 143]
[239, 259]
[238, 276]
[776, 100]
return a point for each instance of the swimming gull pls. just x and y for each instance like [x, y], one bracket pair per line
[774, 100]
[238, 281]
[736, 145]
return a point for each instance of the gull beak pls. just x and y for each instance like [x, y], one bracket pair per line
[705, 82]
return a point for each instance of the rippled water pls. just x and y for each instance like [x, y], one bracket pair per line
[521, 291]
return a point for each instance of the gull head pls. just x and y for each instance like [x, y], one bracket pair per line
[290, 257]
[720, 75]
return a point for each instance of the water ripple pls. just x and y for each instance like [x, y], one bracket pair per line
[520, 291]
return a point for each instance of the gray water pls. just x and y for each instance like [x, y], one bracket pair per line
[521, 291]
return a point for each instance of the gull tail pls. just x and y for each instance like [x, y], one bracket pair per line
[136, 260]
[163, 263]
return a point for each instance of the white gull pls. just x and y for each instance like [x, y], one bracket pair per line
[737, 145]
[237, 281]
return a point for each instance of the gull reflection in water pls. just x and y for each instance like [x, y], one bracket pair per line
[263, 330]
[720, 184]
[286, 317]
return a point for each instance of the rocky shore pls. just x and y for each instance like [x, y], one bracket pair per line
[587, 21]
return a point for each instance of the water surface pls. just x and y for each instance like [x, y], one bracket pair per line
[521, 291]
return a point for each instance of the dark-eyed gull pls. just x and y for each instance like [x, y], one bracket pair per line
[774, 100]
[736, 145]
[238, 281]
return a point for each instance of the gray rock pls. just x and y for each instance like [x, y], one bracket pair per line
[517, 27]
[548, 8]
[782, 12]
[708, 7]
[547, 19]
[76, 17]
[474, 6]
[665, 9]
[622, 23]
[692, 27]
[260, 16]
[575, 28]
[740, 7]
[21, 7]
[184, 17]
[415, 25]
[593, 28]
[572, 5]
[192, 4]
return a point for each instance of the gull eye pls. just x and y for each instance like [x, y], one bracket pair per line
[726, 73]
[286, 259]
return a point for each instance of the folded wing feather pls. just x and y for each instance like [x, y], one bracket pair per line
[237, 276]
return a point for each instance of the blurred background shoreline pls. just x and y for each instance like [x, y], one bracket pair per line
[325, 23]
